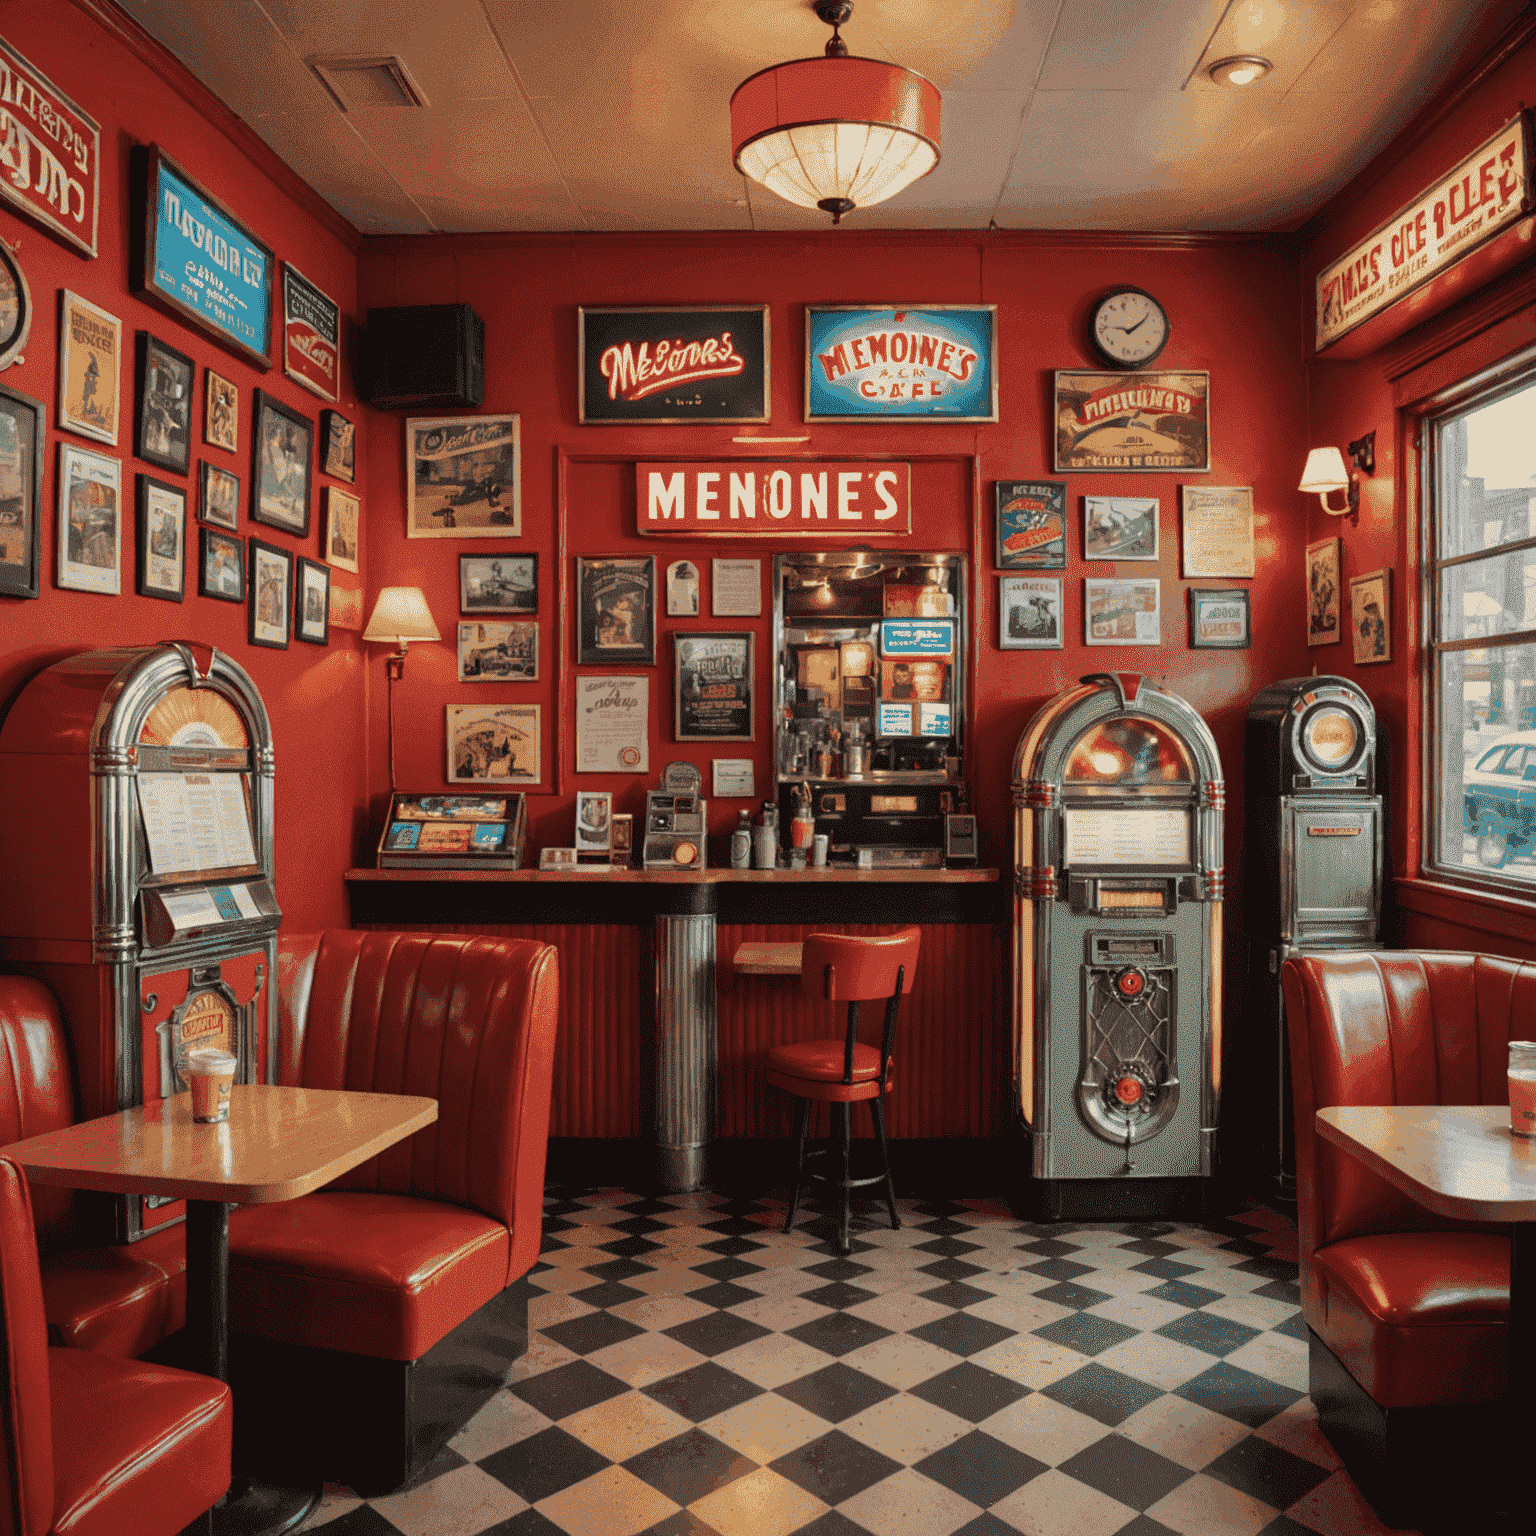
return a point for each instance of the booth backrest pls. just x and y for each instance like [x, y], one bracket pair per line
[26, 1470]
[469, 1022]
[37, 1087]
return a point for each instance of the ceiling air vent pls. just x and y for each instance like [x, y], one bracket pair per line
[376, 80]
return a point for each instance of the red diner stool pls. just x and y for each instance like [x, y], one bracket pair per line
[853, 969]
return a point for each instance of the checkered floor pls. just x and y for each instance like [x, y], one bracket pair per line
[693, 1370]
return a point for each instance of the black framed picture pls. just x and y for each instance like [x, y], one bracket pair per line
[338, 444]
[616, 610]
[1218, 619]
[221, 566]
[15, 307]
[218, 496]
[162, 543]
[1031, 524]
[312, 602]
[712, 686]
[163, 422]
[505, 583]
[271, 594]
[23, 421]
[282, 453]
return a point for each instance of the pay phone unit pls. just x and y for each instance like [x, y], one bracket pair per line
[676, 820]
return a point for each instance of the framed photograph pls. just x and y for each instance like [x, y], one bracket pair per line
[703, 364]
[736, 588]
[1030, 614]
[282, 450]
[162, 540]
[23, 421]
[338, 447]
[1120, 527]
[462, 477]
[622, 846]
[90, 349]
[343, 518]
[1370, 617]
[221, 567]
[557, 858]
[712, 687]
[616, 610]
[1132, 423]
[90, 520]
[499, 651]
[935, 362]
[1122, 612]
[493, 743]
[1031, 524]
[1323, 592]
[163, 425]
[218, 496]
[594, 822]
[498, 583]
[682, 590]
[1218, 620]
[15, 307]
[1218, 531]
[311, 335]
[312, 602]
[271, 594]
[221, 411]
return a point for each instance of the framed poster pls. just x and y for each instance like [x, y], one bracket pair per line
[23, 421]
[1218, 620]
[311, 335]
[343, 514]
[736, 589]
[282, 444]
[1132, 422]
[221, 411]
[1120, 527]
[163, 422]
[613, 724]
[312, 602]
[704, 364]
[462, 477]
[1370, 617]
[935, 362]
[616, 610]
[499, 651]
[1030, 616]
[203, 264]
[712, 687]
[90, 520]
[1122, 612]
[1218, 531]
[594, 821]
[162, 543]
[493, 743]
[1323, 588]
[90, 347]
[218, 496]
[338, 447]
[682, 590]
[498, 583]
[271, 594]
[1031, 524]
[221, 567]
[15, 307]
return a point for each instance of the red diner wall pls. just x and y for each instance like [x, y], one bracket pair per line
[316, 697]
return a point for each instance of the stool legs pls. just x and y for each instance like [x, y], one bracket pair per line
[802, 1123]
[845, 1150]
[839, 1152]
[877, 1109]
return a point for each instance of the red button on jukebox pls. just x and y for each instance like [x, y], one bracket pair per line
[1131, 982]
[1128, 1090]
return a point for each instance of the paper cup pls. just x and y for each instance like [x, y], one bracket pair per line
[210, 1075]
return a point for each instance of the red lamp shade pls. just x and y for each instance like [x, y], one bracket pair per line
[835, 133]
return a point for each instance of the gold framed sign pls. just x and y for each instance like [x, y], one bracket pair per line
[1132, 423]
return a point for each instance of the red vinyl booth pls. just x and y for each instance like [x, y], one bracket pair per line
[374, 1317]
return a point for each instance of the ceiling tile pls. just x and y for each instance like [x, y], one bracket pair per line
[1128, 45]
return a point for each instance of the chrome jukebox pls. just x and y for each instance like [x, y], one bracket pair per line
[139, 881]
[1118, 797]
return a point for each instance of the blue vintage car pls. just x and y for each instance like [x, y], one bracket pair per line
[1499, 799]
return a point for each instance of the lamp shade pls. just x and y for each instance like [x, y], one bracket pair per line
[835, 133]
[401, 614]
[1325, 472]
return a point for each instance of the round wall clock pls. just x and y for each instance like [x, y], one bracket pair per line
[1128, 327]
[15, 307]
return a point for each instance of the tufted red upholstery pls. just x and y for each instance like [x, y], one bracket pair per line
[402, 1249]
[1415, 1306]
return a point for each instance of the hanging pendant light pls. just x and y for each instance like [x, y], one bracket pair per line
[835, 133]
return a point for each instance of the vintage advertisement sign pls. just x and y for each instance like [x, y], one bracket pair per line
[311, 335]
[463, 478]
[713, 687]
[937, 363]
[50, 153]
[1487, 191]
[702, 364]
[761, 498]
[613, 724]
[1031, 524]
[917, 637]
[206, 266]
[1132, 422]
[1218, 530]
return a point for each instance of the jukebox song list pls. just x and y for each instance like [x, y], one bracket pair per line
[195, 821]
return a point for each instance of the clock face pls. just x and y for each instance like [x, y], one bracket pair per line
[1129, 328]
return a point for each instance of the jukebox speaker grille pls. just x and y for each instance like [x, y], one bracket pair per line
[1129, 1084]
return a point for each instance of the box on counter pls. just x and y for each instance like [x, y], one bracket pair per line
[484, 830]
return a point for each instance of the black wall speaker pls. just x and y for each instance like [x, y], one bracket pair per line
[429, 355]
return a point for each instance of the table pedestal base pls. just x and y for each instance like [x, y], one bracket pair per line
[259, 1509]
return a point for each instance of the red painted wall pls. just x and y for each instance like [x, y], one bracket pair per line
[317, 697]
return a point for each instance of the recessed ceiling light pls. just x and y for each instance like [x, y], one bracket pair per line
[1244, 69]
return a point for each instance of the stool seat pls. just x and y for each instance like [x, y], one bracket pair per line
[813, 1069]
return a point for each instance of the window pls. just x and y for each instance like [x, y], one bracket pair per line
[1482, 762]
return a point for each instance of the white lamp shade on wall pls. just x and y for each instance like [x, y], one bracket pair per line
[1325, 472]
[401, 614]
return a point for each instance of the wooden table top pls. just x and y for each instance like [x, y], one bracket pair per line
[756, 959]
[1456, 1160]
[277, 1144]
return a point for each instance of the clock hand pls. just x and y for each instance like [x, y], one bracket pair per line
[1129, 328]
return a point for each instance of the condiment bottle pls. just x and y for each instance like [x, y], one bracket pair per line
[765, 838]
[741, 842]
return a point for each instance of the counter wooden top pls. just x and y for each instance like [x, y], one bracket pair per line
[681, 877]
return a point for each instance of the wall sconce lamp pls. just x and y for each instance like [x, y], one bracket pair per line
[1325, 473]
[400, 614]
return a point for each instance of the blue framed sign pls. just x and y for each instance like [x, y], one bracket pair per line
[917, 637]
[203, 265]
[933, 363]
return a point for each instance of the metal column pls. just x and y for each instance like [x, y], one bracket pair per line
[685, 1048]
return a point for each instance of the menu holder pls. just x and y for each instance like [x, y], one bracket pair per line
[484, 830]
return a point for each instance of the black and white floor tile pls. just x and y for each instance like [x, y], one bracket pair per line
[694, 1371]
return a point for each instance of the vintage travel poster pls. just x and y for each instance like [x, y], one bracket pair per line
[462, 478]
[1132, 422]
[90, 354]
[1031, 524]
[90, 520]
[1323, 592]
[493, 743]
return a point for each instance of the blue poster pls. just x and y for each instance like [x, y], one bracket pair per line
[938, 363]
[917, 637]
